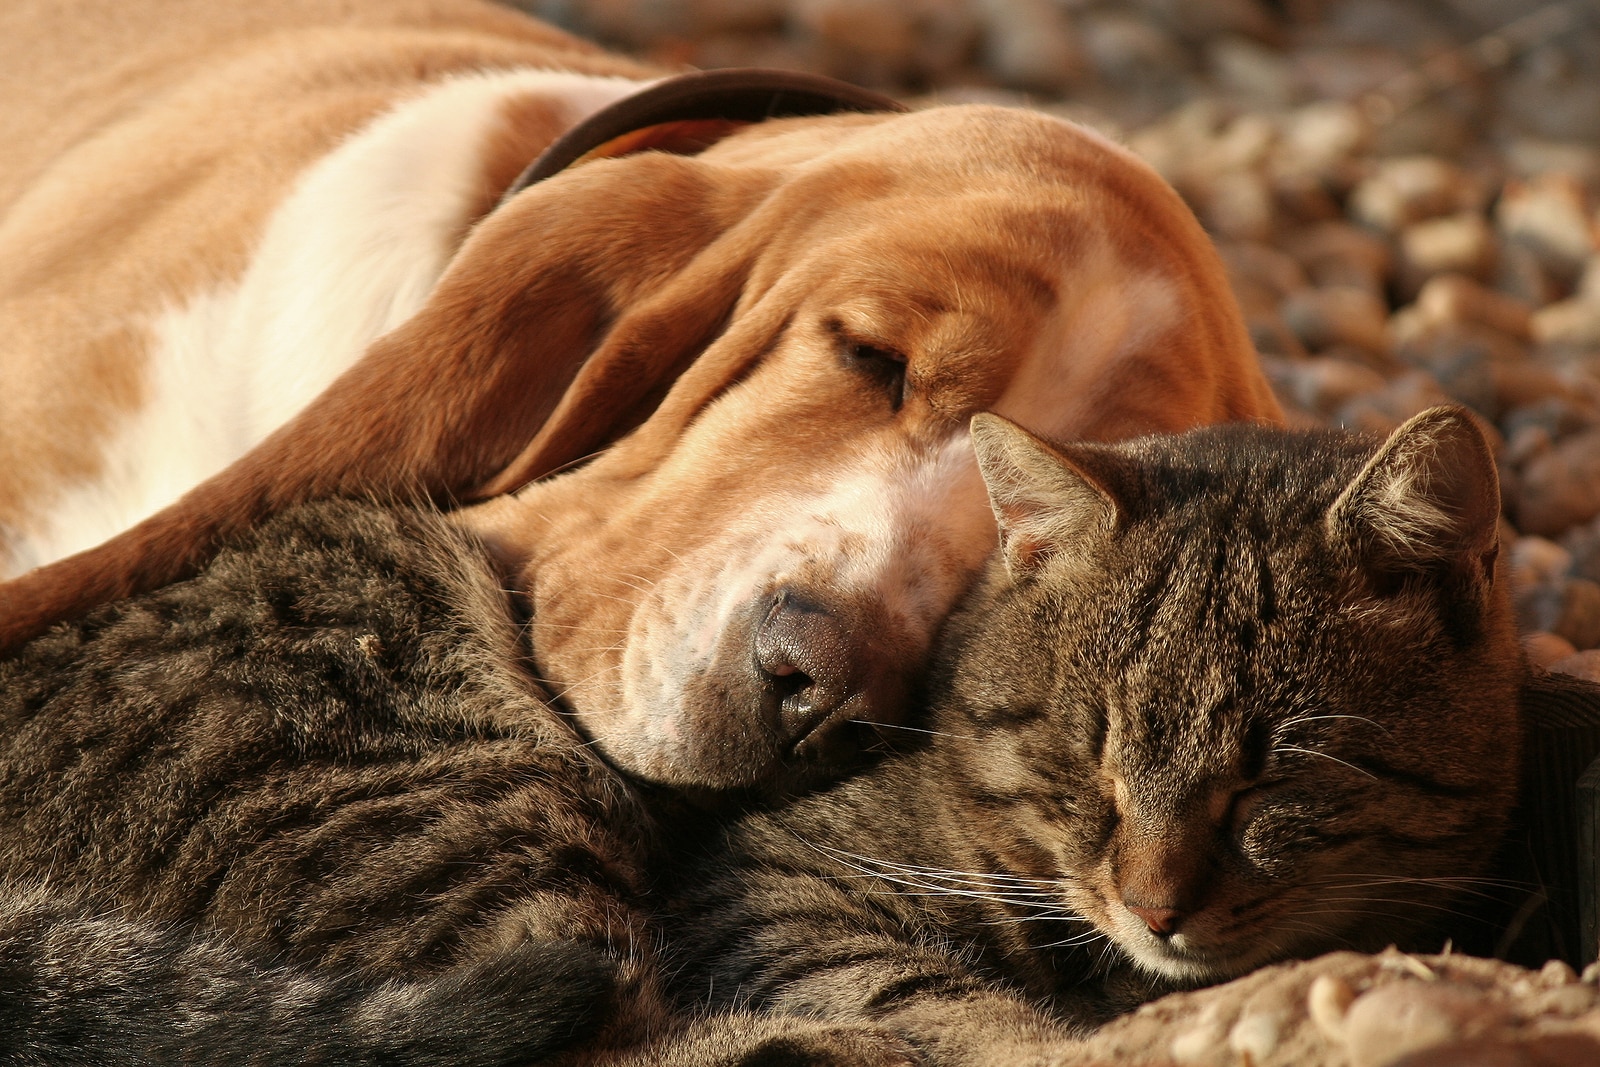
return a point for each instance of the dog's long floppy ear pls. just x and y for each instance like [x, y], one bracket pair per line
[564, 318]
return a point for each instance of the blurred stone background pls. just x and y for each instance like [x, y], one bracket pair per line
[1406, 192]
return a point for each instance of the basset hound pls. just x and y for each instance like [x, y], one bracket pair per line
[700, 380]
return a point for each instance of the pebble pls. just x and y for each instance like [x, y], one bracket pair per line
[1566, 607]
[1328, 1002]
[1322, 138]
[1402, 192]
[1421, 341]
[1462, 243]
[1556, 416]
[1234, 204]
[1031, 44]
[1382, 412]
[1455, 298]
[1337, 254]
[1521, 385]
[1575, 321]
[1584, 544]
[1400, 1019]
[884, 41]
[1339, 315]
[1585, 665]
[1549, 214]
[1536, 560]
[1561, 488]
[1519, 273]
[1251, 263]
[1325, 384]
[1256, 1035]
[1544, 648]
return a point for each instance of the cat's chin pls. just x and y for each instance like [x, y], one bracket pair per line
[1178, 960]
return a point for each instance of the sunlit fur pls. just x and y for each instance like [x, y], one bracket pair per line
[321, 771]
[710, 408]
[1221, 704]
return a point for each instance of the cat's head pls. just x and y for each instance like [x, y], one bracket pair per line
[1241, 694]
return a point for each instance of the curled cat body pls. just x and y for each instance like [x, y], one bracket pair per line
[1221, 699]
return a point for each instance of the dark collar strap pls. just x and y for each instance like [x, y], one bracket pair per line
[736, 95]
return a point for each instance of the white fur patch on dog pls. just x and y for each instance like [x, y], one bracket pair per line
[351, 253]
[900, 528]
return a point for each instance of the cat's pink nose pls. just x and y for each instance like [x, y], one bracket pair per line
[1163, 922]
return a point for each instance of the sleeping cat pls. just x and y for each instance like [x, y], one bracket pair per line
[1221, 699]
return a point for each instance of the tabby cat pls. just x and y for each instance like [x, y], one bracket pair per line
[1220, 699]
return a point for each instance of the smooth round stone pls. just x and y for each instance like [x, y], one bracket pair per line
[1202, 20]
[1271, 336]
[1427, 343]
[1589, 282]
[1235, 203]
[1464, 371]
[1544, 648]
[1324, 385]
[1521, 384]
[1537, 560]
[1339, 315]
[1567, 607]
[1562, 487]
[891, 37]
[1031, 43]
[1337, 254]
[1124, 48]
[1585, 665]
[1584, 544]
[1462, 243]
[1408, 190]
[1382, 411]
[1547, 94]
[1524, 441]
[1519, 273]
[1557, 416]
[1322, 137]
[1452, 298]
[1551, 215]
[1263, 76]
[1574, 322]
[1528, 156]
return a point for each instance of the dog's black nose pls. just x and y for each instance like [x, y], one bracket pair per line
[806, 656]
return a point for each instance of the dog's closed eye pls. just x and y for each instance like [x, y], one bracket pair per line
[883, 366]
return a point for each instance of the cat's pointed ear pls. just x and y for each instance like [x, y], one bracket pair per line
[1043, 499]
[1427, 502]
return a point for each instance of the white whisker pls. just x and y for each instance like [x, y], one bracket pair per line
[1324, 755]
[914, 729]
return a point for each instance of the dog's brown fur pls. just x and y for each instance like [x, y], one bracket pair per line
[772, 347]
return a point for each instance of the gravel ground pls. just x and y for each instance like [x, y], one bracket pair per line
[1407, 194]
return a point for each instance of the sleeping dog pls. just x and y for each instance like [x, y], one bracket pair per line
[700, 378]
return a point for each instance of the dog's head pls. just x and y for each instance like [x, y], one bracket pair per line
[758, 363]
[747, 583]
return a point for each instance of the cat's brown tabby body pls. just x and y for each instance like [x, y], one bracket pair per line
[1221, 699]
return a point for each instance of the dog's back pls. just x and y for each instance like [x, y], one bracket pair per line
[148, 150]
[121, 57]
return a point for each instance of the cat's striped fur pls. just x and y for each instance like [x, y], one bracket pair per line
[1202, 712]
